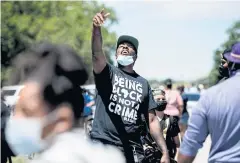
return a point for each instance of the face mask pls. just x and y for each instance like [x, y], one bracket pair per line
[24, 135]
[223, 71]
[125, 60]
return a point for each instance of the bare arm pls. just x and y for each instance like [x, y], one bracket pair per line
[90, 104]
[177, 141]
[98, 57]
[185, 158]
[180, 104]
[156, 133]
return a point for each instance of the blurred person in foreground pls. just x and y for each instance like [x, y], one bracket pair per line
[49, 107]
[174, 101]
[183, 122]
[217, 113]
[168, 125]
[122, 97]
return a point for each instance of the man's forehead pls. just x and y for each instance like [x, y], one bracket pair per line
[126, 43]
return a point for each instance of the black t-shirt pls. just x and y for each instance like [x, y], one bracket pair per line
[120, 101]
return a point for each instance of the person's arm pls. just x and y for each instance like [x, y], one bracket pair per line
[154, 125]
[156, 132]
[177, 142]
[98, 57]
[180, 104]
[90, 104]
[196, 133]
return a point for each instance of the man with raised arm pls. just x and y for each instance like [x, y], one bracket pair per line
[122, 97]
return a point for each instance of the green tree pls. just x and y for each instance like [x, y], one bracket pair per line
[26, 23]
[233, 37]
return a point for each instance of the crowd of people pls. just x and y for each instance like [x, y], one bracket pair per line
[133, 123]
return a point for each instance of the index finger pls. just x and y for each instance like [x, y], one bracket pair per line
[106, 15]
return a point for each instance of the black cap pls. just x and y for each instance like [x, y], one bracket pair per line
[129, 39]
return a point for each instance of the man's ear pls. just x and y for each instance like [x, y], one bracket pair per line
[65, 119]
[134, 58]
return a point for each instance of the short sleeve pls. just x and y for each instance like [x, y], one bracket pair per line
[151, 102]
[104, 78]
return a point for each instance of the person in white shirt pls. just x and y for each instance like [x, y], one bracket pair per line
[49, 108]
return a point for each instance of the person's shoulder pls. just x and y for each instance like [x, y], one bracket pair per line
[112, 67]
[226, 85]
[141, 78]
[175, 92]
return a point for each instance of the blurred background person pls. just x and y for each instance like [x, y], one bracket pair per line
[201, 88]
[49, 107]
[87, 111]
[217, 114]
[174, 101]
[169, 125]
[183, 122]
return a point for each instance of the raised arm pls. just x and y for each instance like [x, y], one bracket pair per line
[98, 57]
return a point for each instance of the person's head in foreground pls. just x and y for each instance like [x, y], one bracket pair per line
[126, 52]
[51, 101]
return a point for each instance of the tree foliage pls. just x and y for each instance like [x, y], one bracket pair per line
[233, 37]
[26, 23]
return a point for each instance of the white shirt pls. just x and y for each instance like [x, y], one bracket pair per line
[72, 147]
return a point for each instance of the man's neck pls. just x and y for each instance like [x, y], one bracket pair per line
[128, 69]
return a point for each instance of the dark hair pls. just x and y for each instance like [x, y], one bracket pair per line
[60, 71]
[181, 88]
[168, 83]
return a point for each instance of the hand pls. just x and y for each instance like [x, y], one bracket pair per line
[165, 159]
[99, 18]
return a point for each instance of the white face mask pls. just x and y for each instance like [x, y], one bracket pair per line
[125, 60]
[24, 135]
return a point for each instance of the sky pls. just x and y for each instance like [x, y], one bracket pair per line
[177, 39]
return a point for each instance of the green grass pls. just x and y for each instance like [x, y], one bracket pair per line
[19, 159]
